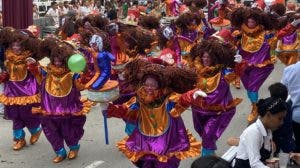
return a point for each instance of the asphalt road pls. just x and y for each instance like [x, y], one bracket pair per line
[94, 152]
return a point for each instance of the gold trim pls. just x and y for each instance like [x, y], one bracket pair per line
[24, 100]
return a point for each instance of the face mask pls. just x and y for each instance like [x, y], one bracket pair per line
[98, 40]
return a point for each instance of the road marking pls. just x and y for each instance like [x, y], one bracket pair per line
[95, 164]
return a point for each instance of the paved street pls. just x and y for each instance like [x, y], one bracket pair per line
[94, 152]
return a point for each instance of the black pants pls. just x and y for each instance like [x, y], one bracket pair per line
[239, 163]
[296, 129]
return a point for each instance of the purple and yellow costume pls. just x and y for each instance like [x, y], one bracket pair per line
[220, 21]
[289, 43]
[212, 114]
[63, 111]
[21, 93]
[125, 93]
[160, 139]
[255, 51]
[171, 7]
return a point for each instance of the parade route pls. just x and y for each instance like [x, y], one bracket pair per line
[95, 154]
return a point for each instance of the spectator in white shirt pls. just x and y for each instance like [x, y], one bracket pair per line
[255, 145]
[54, 13]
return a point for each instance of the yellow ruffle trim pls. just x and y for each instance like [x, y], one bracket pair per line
[87, 105]
[24, 100]
[193, 151]
[266, 62]
[218, 107]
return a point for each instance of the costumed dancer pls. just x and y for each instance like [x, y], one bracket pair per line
[188, 34]
[187, 25]
[21, 91]
[196, 7]
[225, 36]
[220, 21]
[151, 23]
[102, 59]
[137, 42]
[255, 48]
[101, 89]
[169, 44]
[172, 7]
[160, 138]
[62, 109]
[289, 39]
[274, 12]
[212, 104]
[118, 50]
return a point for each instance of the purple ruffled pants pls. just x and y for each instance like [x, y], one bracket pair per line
[211, 126]
[22, 116]
[254, 77]
[60, 129]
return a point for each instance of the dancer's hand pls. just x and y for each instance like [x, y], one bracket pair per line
[238, 58]
[199, 93]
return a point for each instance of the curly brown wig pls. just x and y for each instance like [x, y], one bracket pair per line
[149, 22]
[138, 40]
[5, 36]
[186, 19]
[220, 53]
[96, 21]
[177, 79]
[47, 45]
[237, 16]
[69, 28]
[278, 8]
[195, 5]
[19, 36]
[62, 52]
[33, 44]
[180, 80]
[78, 24]
[132, 69]
[241, 15]
[54, 48]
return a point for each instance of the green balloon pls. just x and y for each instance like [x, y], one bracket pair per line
[76, 63]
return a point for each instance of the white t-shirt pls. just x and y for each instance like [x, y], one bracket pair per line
[55, 14]
[251, 142]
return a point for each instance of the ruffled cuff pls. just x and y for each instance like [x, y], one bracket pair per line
[23, 100]
[86, 107]
[193, 151]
